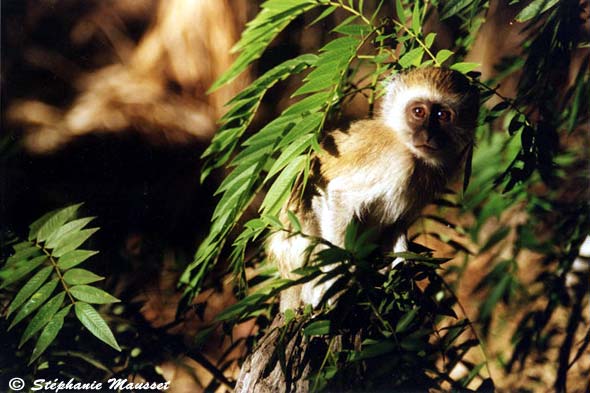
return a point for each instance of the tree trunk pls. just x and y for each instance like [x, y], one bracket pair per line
[282, 362]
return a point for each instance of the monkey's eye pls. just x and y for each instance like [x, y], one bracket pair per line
[443, 115]
[419, 112]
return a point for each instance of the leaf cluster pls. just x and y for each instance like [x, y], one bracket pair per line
[45, 270]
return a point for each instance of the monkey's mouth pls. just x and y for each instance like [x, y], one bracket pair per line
[426, 148]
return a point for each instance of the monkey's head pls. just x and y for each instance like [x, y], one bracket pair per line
[434, 112]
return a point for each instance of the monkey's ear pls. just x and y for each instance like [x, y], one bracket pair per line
[467, 174]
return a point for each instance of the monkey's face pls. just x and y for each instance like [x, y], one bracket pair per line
[429, 124]
[433, 112]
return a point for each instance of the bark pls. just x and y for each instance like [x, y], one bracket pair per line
[282, 362]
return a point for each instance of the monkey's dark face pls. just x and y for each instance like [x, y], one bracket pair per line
[430, 124]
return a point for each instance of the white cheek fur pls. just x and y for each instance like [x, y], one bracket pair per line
[393, 113]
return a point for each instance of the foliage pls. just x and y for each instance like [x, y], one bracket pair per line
[47, 266]
[509, 169]
[379, 331]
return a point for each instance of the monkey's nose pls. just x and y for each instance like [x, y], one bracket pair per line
[425, 141]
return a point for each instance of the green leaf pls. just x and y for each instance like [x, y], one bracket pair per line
[291, 153]
[280, 190]
[294, 221]
[274, 17]
[34, 302]
[312, 103]
[80, 276]
[22, 245]
[34, 227]
[19, 270]
[317, 328]
[416, 23]
[375, 350]
[89, 294]
[203, 336]
[353, 29]
[319, 79]
[23, 254]
[443, 55]
[464, 67]
[429, 40]
[405, 321]
[289, 315]
[59, 236]
[56, 220]
[42, 317]
[493, 298]
[399, 9]
[236, 310]
[72, 240]
[414, 344]
[31, 286]
[413, 57]
[453, 7]
[534, 9]
[74, 258]
[95, 324]
[323, 15]
[337, 49]
[237, 178]
[49, 333]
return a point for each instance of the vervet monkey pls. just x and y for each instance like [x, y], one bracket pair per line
[381, 172]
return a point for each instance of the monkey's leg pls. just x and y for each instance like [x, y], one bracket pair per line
[288, 253]
[335, 215]
[401, 245]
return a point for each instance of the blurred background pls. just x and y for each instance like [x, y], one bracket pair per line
[105, 102]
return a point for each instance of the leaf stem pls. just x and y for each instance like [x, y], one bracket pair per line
[418, 40]
[57, 271]
[351, 10]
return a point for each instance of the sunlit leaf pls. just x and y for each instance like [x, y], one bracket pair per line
[56, 220]
[534, 9]
[442, 55]
[58, 237]
[36, 225]
[274, 17]
[413, 57]
[72, 240]
[464, 67]
[281, 188]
